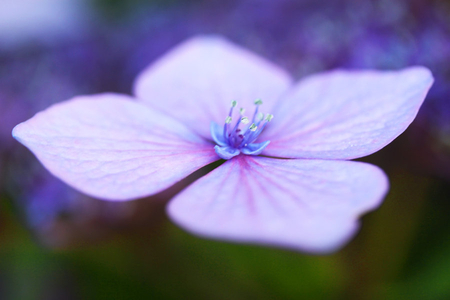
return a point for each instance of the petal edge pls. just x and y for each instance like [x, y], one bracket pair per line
[308, 205]
[346, 114]
[111, 147]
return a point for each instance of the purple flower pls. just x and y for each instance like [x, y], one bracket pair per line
[45, 21]
[302, 193]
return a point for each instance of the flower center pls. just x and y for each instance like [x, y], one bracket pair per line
[240, 137]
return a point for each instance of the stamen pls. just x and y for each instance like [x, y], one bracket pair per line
[260, 116]
[243, 119]
[233, 105]
[240, 140]
[256, 134]
[258, 102]
[226, 126]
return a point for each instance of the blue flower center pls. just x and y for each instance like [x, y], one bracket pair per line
[239, 138]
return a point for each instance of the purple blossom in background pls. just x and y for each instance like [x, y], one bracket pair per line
[47, 200]
[25, 22]
[32, 78]
[60, 217]
[308, 36]
[303, 193]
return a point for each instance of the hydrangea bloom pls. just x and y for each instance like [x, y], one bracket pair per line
[301, 192]
[45, 21]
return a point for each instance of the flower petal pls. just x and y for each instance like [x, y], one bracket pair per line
[346, 114]
[197, 81]
[310, 205]
[217, 134]
[226, 152]
[255, 148]
[111, 147]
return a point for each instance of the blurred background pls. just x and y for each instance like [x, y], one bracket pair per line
[56, 243]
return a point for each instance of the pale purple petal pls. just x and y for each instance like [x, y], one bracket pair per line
[217, 134]
[197, 81]
[255, 148]
[226, 152]
[310, 205]
[346, 114]
[111, 147]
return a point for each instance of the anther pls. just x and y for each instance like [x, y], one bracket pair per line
[233, 103]
[258, 102]
[244, 120]
[253, 127]
[228, 120]
[241, 111]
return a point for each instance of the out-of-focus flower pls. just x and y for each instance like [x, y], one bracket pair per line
[302, 194]
[60, 217]
[10, 113]
[43, 21]
[309, 36]
[32, 78]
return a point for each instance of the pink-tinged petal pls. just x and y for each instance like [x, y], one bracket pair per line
[197, 81]
[310, 205]
[111, 147]
[346, 114]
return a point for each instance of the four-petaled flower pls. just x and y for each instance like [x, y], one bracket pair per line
[302, 192]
